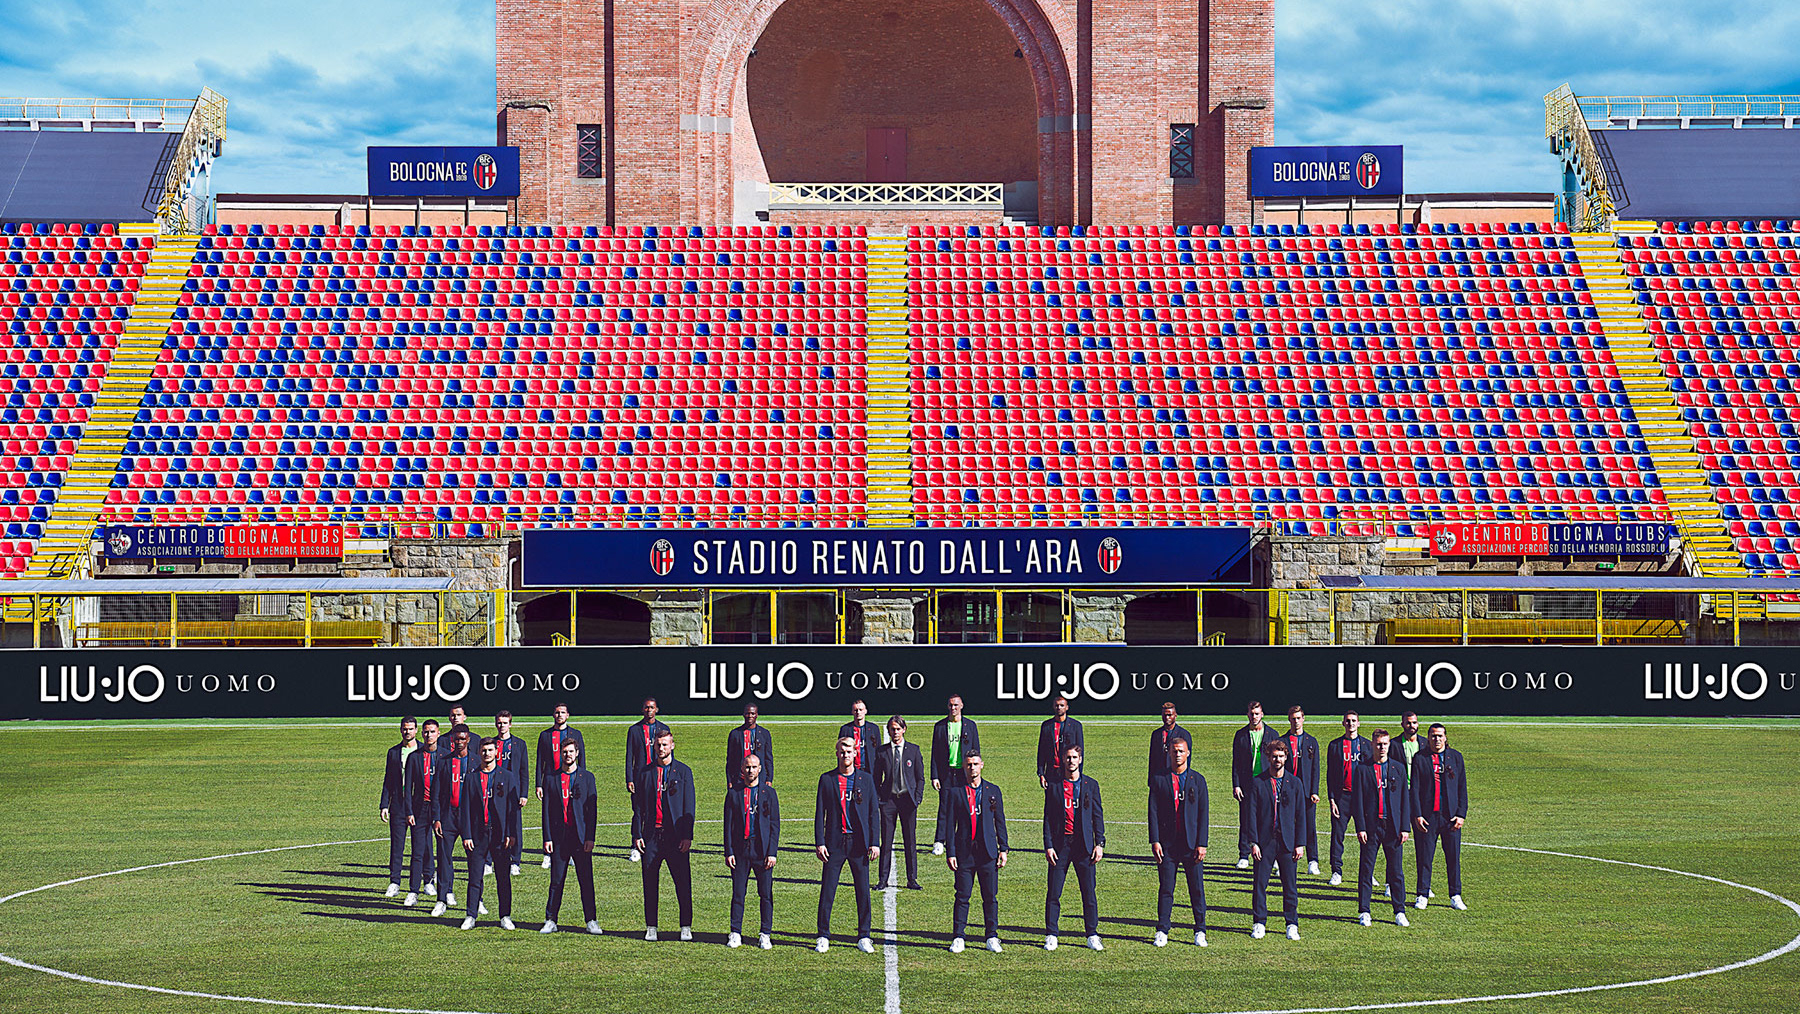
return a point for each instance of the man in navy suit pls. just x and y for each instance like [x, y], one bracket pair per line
[1178, 835]
[864, 732]
[752, 841]
[1342, 757]
[1383, 824]
[1249, 760]
[1440, 808]
[518, 765]
[846, 829]
[1160, 741]
[977, 850]
[421, 807]
[1277, 828]
[458, 716]
[569, 837]
[1074, 835]
[953, 738]
[549, 758]
[1303, 763]
[664, 802]
[490, 823]
[1057, 734]
[900, 789]
[394, 799]
[447, 813]
[640, 754]
[749, 740]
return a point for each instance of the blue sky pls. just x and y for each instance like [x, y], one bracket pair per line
[1459, 82]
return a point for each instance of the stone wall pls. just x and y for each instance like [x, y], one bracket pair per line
[887, 616]
[677, 618]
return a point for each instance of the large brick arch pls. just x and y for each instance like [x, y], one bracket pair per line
[727, 29]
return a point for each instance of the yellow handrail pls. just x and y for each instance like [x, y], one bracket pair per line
[205, 127]
[1567, 127]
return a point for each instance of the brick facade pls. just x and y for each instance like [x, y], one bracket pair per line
[673, 85]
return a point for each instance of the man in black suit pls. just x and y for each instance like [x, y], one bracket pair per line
[453, 768]
[900, 789]
[1248, 762]
[1277, 826]
[1178, 836]
[749, 740]
[1440, 808]
[953, 738]
[664, 803]
[1074, 835]
[490, 823]
[640, 753]
[977, 850]
[394, 800]
[867, 737]
[752, 842]
[1342, 757]
[1057, 734]
[1383, 824]
[513, 758]
[549, 758]
[1160, 741]
[421, 807]
[845, 829]
[1303, 763]
[569, 837]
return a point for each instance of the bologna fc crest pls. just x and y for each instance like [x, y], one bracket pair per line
[118, 543]
[1445, 540]
[1368, 170]
[1111, 555]
[662, 556]
[486, 173]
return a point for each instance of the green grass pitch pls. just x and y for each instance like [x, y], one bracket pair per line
[311, 925]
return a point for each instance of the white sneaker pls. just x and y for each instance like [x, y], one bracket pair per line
[1293, 932]
[1200, 938]
[1364, 920]
[1456, 902]
[956, 946]
[468, 923]
[734, 941]
[687, 933]
[411, 899]
[392, 890]
[1094, 943]
[1160, 940]
[506, 922]
[1312, 869]
[481, 907]
[430, 890]
[545, 864]
[450, 898]
[1420, 903]
[866, 945]
[438, 909]
[549, 926]
[650, 934]
[1243, 863]
[1257, 931]
[515, 869]
[1336, 879]
[994, 944]
[822, 944]
[937, 848]
[635, 857]
[593, 927]
[1050, 942]
[1400, 920]
[763, 941]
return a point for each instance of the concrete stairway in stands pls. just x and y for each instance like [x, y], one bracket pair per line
[889, 385]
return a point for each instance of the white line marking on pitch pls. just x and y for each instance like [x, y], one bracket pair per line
[890, 924]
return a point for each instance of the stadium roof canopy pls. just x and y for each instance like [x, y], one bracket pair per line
[57, 176]
[227, 586]
[1584, 582]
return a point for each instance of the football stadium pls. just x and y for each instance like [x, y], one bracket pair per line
[965, 416]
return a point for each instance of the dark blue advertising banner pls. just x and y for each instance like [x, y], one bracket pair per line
[872, 558]
[1344, 170]
[490, 171]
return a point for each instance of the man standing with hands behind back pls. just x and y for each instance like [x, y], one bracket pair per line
[1178, 834]
[952, 739]
[1440, 807]
[900, 789]
[845, 830]
[664, 802]
[490, 824]
[1074, 834]
[977, 850]
[569, 837]
[514, 762]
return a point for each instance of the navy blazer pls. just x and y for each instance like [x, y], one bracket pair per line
[678, 800]
[1453, 798]
[1395, 798]
[1241, 760]
[1179, 830]
[422, 810]
[884, 774]
[761, 744]
[1303, 760]
[583, 807]
[764, 839]
[1159, 748]
[940, 745]
[871, 738]
[517, 764]
[1090, 816]
[451, 816]
[637, 755]
[1276, 814]
[496, 817]
[549, 758]
[393, 783]
[1049, 754]
[1332, 763]
[987, 838]
[829, 810]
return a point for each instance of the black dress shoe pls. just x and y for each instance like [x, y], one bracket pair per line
[914, 885]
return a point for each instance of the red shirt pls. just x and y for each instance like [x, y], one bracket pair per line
[659, 795]
[1068, 808]
[428, 776]
[1349, 751]
[844, 800]
[1380, 794]
[455, 780]
[568, 817]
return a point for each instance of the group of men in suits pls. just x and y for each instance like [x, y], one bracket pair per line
[458, 790]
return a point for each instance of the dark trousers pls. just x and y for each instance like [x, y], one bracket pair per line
[489, 850]
[765, 891]
[1290, 887]
[447, 847]
[422, 865]
[841, 851]
[1312, 830]
[1244, 826]
[1396, 877]
[1425, 849]
[1165, 897]
[903, 812]
[1340, 825]
[658, 849]
[1084, 876]
[952, 782]
[968, 871]
[561, 856]
[397, 845]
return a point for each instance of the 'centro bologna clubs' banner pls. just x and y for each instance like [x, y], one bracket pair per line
[1560, 538]
[489, 171]
[865, 557]
[1345, 170]
[803, 680]
[226, 542]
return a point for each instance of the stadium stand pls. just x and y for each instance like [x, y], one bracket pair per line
[466, 380]
[1316, 378]
[65, 294]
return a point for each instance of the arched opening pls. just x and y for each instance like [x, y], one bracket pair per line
[599, 618]
[933, 91]
[1163, 618]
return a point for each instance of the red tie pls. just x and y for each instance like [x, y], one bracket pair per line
[1380, 794]
[428, 776]
[1347, 746]
[746, 809]
[1437, 782]
[456, 781]
[659, 795]
[1068, 808]
[568, 818]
